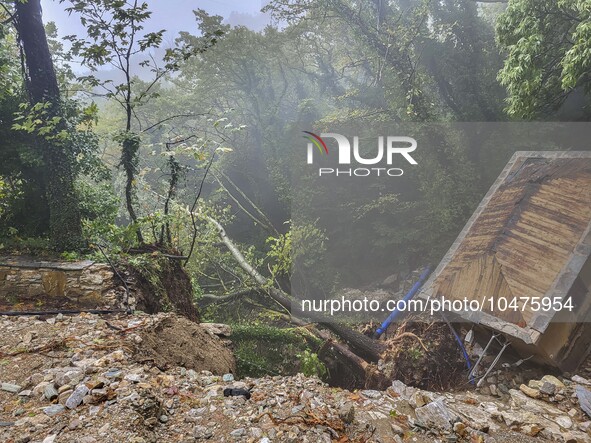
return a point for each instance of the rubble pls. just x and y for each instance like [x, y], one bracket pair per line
[99, 389]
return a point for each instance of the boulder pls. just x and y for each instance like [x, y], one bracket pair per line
[436, 415]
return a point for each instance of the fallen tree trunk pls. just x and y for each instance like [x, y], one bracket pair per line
[365, 348]
[210, 299]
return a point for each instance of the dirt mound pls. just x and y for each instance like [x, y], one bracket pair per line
[425, 355]
[176, 341]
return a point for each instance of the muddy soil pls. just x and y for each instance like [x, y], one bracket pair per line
[176, 341]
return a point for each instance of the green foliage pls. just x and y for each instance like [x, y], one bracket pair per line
[268, 350]
[130, 145]
[149, 267]
[280, 254]
[310, 365]
[23, 203]
[13, 243]
[97, 202]
[547, 44]
[70, 255]
[115, 35]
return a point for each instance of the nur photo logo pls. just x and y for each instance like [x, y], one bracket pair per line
[388, 149]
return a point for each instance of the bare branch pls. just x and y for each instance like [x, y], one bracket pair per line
[173, 117]
[192, 212]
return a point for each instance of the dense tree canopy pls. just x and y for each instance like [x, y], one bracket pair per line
[210, 126]
[547, 45]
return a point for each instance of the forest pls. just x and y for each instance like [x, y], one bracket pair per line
[189, 159]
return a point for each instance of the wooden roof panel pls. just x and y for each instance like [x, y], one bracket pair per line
[523, 234]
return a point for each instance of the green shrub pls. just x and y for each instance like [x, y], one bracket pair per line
[269, 350]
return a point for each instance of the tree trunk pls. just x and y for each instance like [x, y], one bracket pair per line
[64, 213]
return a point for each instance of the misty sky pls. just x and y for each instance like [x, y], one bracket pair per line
[172, 15]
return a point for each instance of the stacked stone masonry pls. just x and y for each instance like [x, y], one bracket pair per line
[27, 283]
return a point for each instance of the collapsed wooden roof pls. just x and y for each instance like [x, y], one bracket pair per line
[529, 237]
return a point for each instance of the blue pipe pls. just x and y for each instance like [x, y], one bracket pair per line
[462, 347]
[409, 295]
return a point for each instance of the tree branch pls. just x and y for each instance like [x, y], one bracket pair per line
[192, 212]
[364, 347]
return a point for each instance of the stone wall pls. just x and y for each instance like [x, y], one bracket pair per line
[31, 284]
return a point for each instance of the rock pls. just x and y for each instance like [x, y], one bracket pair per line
[28, 337]
[575, 437]
[530, 392]
[202, 433]
[113, 373]
[103, 429]
[145, 402]
[97, 383]
[418, 400]
[436, 414]
[113, 357]
[553, 380]
[53, 410]
[580, 380]
[459, 428]
[63, 397]
[219, 329]
[397, 430]
[370, 393]
[584, 397]
[493, 390]
[399, 389]
[347, 413]
[548, 388]
[50, 438]
[535, 384]
[76, 397]
[39, 388]
[479, 416]
[564, 421]
[9, 387]
[72, 377]
[134, 378]
[522, 403]
[238, 432]
[517, 418]
[25, 393]
[228, 378]
[531, 429]
[485, 390]
[50, 393]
